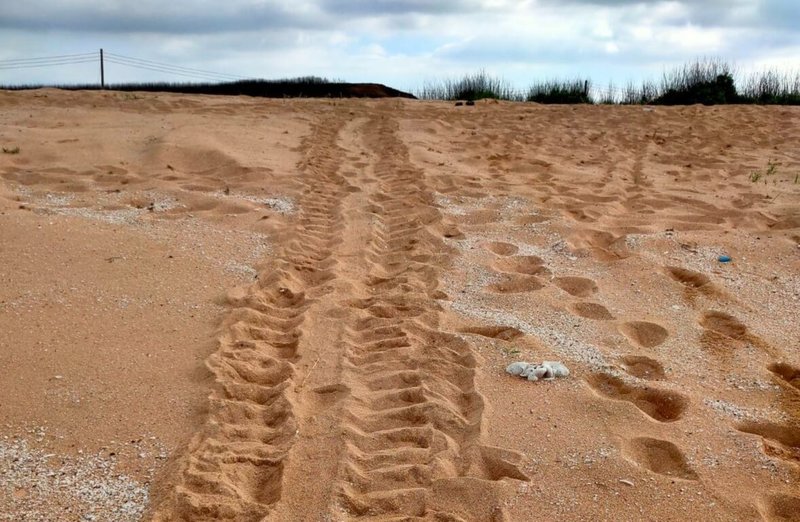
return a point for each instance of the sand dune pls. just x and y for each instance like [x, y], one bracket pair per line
[302, 310]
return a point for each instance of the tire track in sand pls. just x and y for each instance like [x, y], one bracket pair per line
[411, 422]
[233, 469]
[338, 396]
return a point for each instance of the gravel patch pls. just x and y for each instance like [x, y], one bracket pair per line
[740, 413]
[39, 486]
[564, 345]
[241, 270]
[750, 384]
[282, 205]
[59, 200]
[128, 216]
[506, 205]
[187, 234]
[556, 255]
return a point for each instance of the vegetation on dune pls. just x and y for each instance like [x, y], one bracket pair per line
[772, 88]
[560, 91]
[471, 87]
[714, 82]
[303, 87]
[704, 81]
[771, 170]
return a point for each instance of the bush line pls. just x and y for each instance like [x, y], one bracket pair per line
[706, 81]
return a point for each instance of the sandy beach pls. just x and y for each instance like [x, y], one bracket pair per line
[232, 308]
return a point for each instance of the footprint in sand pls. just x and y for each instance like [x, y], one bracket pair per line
[515, 283]
[576, 286]
[724, 324]
[643, 333]
[501, 249]
[688, 278]
[518, 274]
[780, 441]
[643, 367]
[658, 456]
[526, 265]
[780, 508]
[790, 374]
[661, 405]
[451, 231]
[694, 283]
[504, 333]
[580, 214]
[721, 331]
[604, 246]
[593, 311]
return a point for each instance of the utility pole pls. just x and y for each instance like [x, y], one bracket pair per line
[102, 72]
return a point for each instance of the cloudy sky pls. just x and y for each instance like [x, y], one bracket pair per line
[402, 43]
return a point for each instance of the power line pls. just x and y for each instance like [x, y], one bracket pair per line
[151, 63]
[166, 71]
[23, 61]
[49, 64]
[118, 59]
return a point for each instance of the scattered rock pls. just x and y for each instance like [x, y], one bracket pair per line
[547, 371]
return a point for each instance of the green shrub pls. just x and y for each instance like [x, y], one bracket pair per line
[560, 91]
[470, 87]
[772, 88]
[708, 81]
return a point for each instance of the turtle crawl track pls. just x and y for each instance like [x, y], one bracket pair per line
[396, 394]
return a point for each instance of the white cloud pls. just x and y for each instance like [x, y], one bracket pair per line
[399, 42]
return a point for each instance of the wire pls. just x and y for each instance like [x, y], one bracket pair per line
[203, 76]
[127, 61]
[167, 71]
[49, 64]
[23, 61]
[189, 70]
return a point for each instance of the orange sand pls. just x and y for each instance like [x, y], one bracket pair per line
[302, 310]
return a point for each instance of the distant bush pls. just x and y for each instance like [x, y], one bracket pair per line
[772, 88]
[303, 87]
[713, 82]
[706, 81]
[470, 87]
[608, 96]
[560, 91]
[639, 94]
[709, 82]
[720, 91]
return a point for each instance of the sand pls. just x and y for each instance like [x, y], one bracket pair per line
[228, 308]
